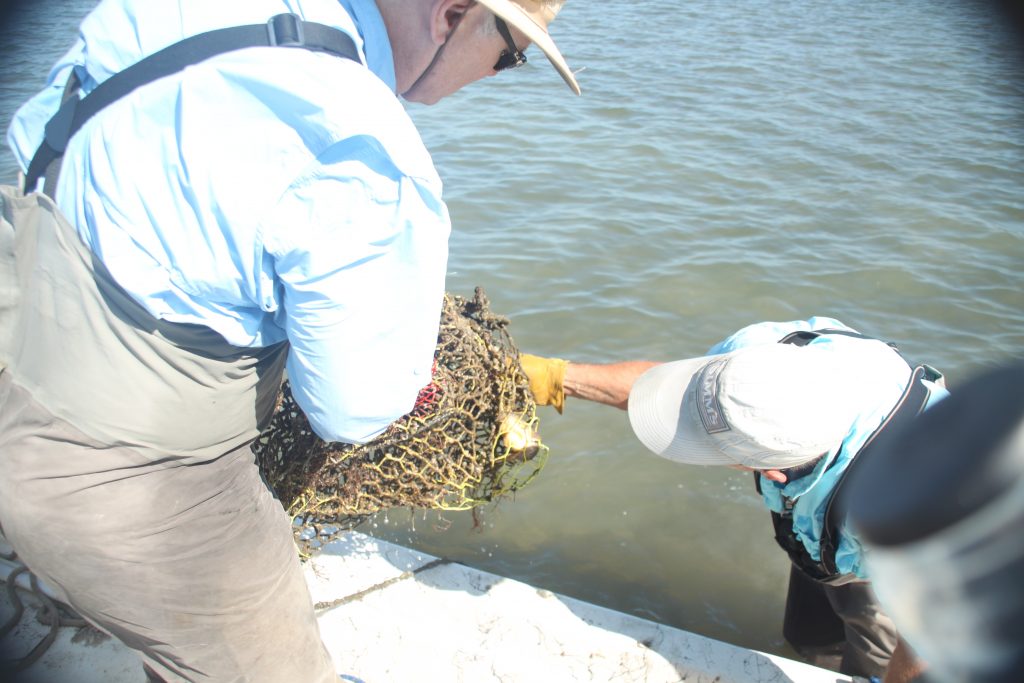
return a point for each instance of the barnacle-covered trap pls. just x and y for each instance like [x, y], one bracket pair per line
[471, 438]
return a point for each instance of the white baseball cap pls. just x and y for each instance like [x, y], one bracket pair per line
[532, 17]
[768, 406]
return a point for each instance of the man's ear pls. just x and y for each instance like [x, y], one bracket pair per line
[446, 15]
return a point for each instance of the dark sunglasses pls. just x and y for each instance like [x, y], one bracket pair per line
[513, 56]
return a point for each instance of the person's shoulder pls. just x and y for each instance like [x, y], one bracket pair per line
[772, 332]
[825, 323]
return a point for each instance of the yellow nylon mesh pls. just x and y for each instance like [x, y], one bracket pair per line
[471, 439]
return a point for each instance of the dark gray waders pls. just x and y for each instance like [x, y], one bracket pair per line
[126, 480]
[127, 483]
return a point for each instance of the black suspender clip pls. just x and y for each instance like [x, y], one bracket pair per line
[285, 30]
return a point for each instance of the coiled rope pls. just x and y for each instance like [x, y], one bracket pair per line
[50, 614]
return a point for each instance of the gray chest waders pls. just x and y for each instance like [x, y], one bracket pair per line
[126, 481]
[82, 345]
[93, 356]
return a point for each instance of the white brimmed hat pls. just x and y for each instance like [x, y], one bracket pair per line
[769, 406]
[532, 17]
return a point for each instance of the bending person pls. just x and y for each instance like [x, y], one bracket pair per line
[796, 403]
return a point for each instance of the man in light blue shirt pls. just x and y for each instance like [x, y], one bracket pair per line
[797, 403]
[267, 194]
[265, 206]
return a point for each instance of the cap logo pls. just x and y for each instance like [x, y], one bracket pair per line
[707, 397]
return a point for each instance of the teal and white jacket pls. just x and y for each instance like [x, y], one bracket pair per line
[884, 375]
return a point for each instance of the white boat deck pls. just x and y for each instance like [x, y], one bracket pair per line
[388, 613]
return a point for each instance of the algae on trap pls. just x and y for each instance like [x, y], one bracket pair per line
[471, 438]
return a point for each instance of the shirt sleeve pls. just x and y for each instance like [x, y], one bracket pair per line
[360, 253]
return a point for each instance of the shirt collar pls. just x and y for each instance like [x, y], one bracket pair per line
[374, 35]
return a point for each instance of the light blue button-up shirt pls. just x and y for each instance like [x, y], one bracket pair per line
[883, 375]
[270, 194]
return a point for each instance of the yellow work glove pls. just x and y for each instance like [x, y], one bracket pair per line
[546, 376]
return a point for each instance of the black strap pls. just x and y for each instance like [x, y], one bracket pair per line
[282, 30]
[53, 168]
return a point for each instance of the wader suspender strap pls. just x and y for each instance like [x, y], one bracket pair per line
[282, 30]
[910, 405]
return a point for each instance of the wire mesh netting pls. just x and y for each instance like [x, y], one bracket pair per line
[470, 439]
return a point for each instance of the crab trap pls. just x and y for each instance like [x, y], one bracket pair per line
[471, 438]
